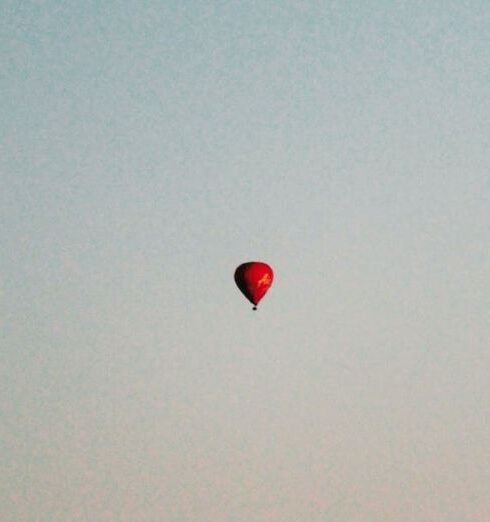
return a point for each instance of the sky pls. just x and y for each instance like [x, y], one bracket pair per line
[147, 150]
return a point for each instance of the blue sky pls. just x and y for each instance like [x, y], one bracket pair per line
[146, 152]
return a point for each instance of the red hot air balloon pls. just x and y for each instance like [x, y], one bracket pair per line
[254, 279]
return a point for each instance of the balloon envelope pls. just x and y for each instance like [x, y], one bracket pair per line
[254, 279]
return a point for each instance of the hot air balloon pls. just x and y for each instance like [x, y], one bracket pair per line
[254, 279]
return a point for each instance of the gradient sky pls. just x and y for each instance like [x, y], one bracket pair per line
[147, 148]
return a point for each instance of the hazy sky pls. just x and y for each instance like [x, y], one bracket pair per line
[147, 148]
